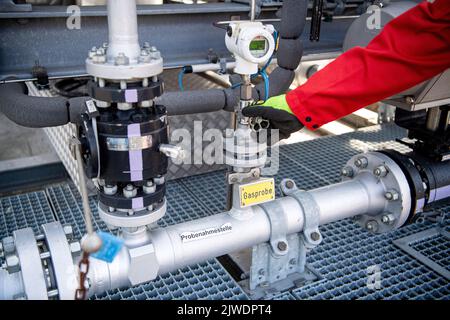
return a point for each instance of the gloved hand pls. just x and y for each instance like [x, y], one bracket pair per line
[277, 111]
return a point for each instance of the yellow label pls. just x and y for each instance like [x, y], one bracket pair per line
[257, 192]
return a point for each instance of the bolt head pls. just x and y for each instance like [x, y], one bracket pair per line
[9, 245]
[282, 246]
[315, 236]
[159, 180]
[361, 162]
[289, 184]
[347, 172]
[75, 247]
[12, 263]
[380, 171]
[391, 195]
[388, 219]
[68, 231]
[372, 226]
[121, 59]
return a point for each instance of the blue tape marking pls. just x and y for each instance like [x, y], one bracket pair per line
[111, 246]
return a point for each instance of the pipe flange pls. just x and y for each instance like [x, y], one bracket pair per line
[122, 219]
[32, 271]
[395, 185]
[132, 94]
[61, 253]
[131, 71]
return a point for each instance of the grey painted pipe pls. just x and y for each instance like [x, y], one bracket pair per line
[38, 112]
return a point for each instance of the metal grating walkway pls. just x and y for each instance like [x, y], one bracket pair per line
[345, 259]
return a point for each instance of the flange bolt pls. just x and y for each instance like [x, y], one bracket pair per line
[380, 171]
[315, 236]
[347, 172]
[391, 195]
[372, 226]
[361, 162]
[282, 246]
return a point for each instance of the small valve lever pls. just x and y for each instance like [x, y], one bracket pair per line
[172, 151]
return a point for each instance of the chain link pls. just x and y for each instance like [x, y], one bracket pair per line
[83, 265]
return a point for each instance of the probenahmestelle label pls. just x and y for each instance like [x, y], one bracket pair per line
[201, 234]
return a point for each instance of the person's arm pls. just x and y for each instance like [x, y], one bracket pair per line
[410, 49]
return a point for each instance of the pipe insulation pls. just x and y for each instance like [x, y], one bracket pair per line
[293, 19]
[177, 246]
[38, 112]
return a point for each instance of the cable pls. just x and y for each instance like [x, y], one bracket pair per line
[266, 84]
[180, 78]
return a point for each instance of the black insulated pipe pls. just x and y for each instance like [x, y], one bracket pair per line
[41, 112]
[38, 112]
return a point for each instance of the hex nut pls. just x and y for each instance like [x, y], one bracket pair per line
[68, 231]
[361, 162]
[159, 180]
[315, 236]
[129, 191]
[347, 171]
[372, 226]
[75, 247]
[380, 171]
[9, 245]
[121, 59]
[391, 195]
[149, 187]
[110, 189]
[289, 184]
[282, 246]
[12, 263]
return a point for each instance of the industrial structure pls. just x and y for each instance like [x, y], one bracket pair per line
[357, 215]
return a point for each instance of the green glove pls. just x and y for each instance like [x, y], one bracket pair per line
[277, 111]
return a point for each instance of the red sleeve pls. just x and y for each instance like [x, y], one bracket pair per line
[410, 49]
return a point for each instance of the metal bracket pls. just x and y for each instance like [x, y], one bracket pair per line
[244, 177]
[285, 255]
[278, 228]
[311, 234]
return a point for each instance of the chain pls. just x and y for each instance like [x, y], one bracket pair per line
[83, 265]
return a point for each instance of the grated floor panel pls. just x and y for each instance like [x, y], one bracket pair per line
[347, 258]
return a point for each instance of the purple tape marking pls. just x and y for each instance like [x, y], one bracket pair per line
[442, 192]
[131, 95]
[135, 156]
[137, 203]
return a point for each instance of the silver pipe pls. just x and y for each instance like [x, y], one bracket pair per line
[174, 249]
[252, 10]
[122, 29]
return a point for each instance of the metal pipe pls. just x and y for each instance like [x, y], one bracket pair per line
[122, 29]
[252, 10]
[190, 242]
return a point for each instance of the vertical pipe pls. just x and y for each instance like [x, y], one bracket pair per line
[122, 29]
[252, 10]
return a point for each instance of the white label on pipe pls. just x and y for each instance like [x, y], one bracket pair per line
[202, 234]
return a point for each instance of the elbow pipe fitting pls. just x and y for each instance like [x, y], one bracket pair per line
[38, 112]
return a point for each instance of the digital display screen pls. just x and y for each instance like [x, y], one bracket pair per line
[258, 45]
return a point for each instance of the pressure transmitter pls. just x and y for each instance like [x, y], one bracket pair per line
[252, 43]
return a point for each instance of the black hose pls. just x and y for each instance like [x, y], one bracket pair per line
[38, 112]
